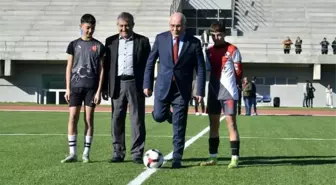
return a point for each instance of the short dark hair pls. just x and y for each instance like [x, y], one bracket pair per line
[217, 26]
[88, 18]
[126, 17]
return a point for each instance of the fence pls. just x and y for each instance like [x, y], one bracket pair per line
[45, 47]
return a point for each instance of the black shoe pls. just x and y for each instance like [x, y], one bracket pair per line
[176, 164]
[170, 117]
[117, 160]
[137, 161]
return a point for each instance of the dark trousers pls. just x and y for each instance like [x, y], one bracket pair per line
[180, 114]
[128, 95]
[239, 102]
[324, 52]
[310, 102]
[254, 104]
[298, 51]
[286, 51]
[198, 104]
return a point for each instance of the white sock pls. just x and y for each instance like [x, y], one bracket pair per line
[72, 144]
[87, 145]
[213, 155]
[235, 157]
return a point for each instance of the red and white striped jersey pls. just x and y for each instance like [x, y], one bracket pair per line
[224, 64]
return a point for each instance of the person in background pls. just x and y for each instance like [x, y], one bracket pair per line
[305, 99]
[324, 46]
[205, 39]
[240, 89]
[298, 46]
[329, 97]
[254, 96]
[287, 45]
[310, 94]
[333, 45]
[247, 89]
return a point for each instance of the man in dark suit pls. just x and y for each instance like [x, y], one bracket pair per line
[180, 54]
[125, 63]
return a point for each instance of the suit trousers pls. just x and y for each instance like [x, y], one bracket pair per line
[128, 95]
[180, 114]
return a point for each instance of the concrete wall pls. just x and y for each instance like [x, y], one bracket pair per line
[27, 81]
[292, 95]
[28, 78]
[208, 4]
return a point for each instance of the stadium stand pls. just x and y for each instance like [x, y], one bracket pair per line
[41, 30]
[265, 23]
[34, 36]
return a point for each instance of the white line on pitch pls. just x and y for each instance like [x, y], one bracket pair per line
[286, 138]
[148, 172]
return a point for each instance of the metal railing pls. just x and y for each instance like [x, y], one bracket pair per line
[176, 6]
[60, 47]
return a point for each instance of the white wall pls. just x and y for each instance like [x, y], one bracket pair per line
[207, 4]
[26, 82]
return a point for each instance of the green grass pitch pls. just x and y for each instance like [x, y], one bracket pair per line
[275, 150]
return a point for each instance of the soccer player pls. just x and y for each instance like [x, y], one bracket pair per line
[224, 65]
[84, 74]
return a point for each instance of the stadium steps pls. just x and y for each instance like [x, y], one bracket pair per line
[254, 18]
[309, 19]
[42, 29]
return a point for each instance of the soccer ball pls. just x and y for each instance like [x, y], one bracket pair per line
[153, 158]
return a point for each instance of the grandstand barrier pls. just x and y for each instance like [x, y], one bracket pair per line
[42, 97]
[57, 94]
[6, 67]
[55, 50]
[2, 68]
[317, 72]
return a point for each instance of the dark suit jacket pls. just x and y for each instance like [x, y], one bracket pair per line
[141, 51]
[190, 58]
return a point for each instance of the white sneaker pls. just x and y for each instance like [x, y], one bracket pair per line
[69, 159]
[86, 158]
[197, 114]
[204, 114]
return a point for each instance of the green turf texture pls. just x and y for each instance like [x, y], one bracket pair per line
[264, 160]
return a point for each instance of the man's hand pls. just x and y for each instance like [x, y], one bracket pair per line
[147, 92]
[67, 96]
[105, 95]
[199, 99]
[97, 98]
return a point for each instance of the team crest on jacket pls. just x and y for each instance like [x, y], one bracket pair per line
[227, 54]
[94, 48]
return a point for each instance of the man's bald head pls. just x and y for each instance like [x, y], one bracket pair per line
[177, 24]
